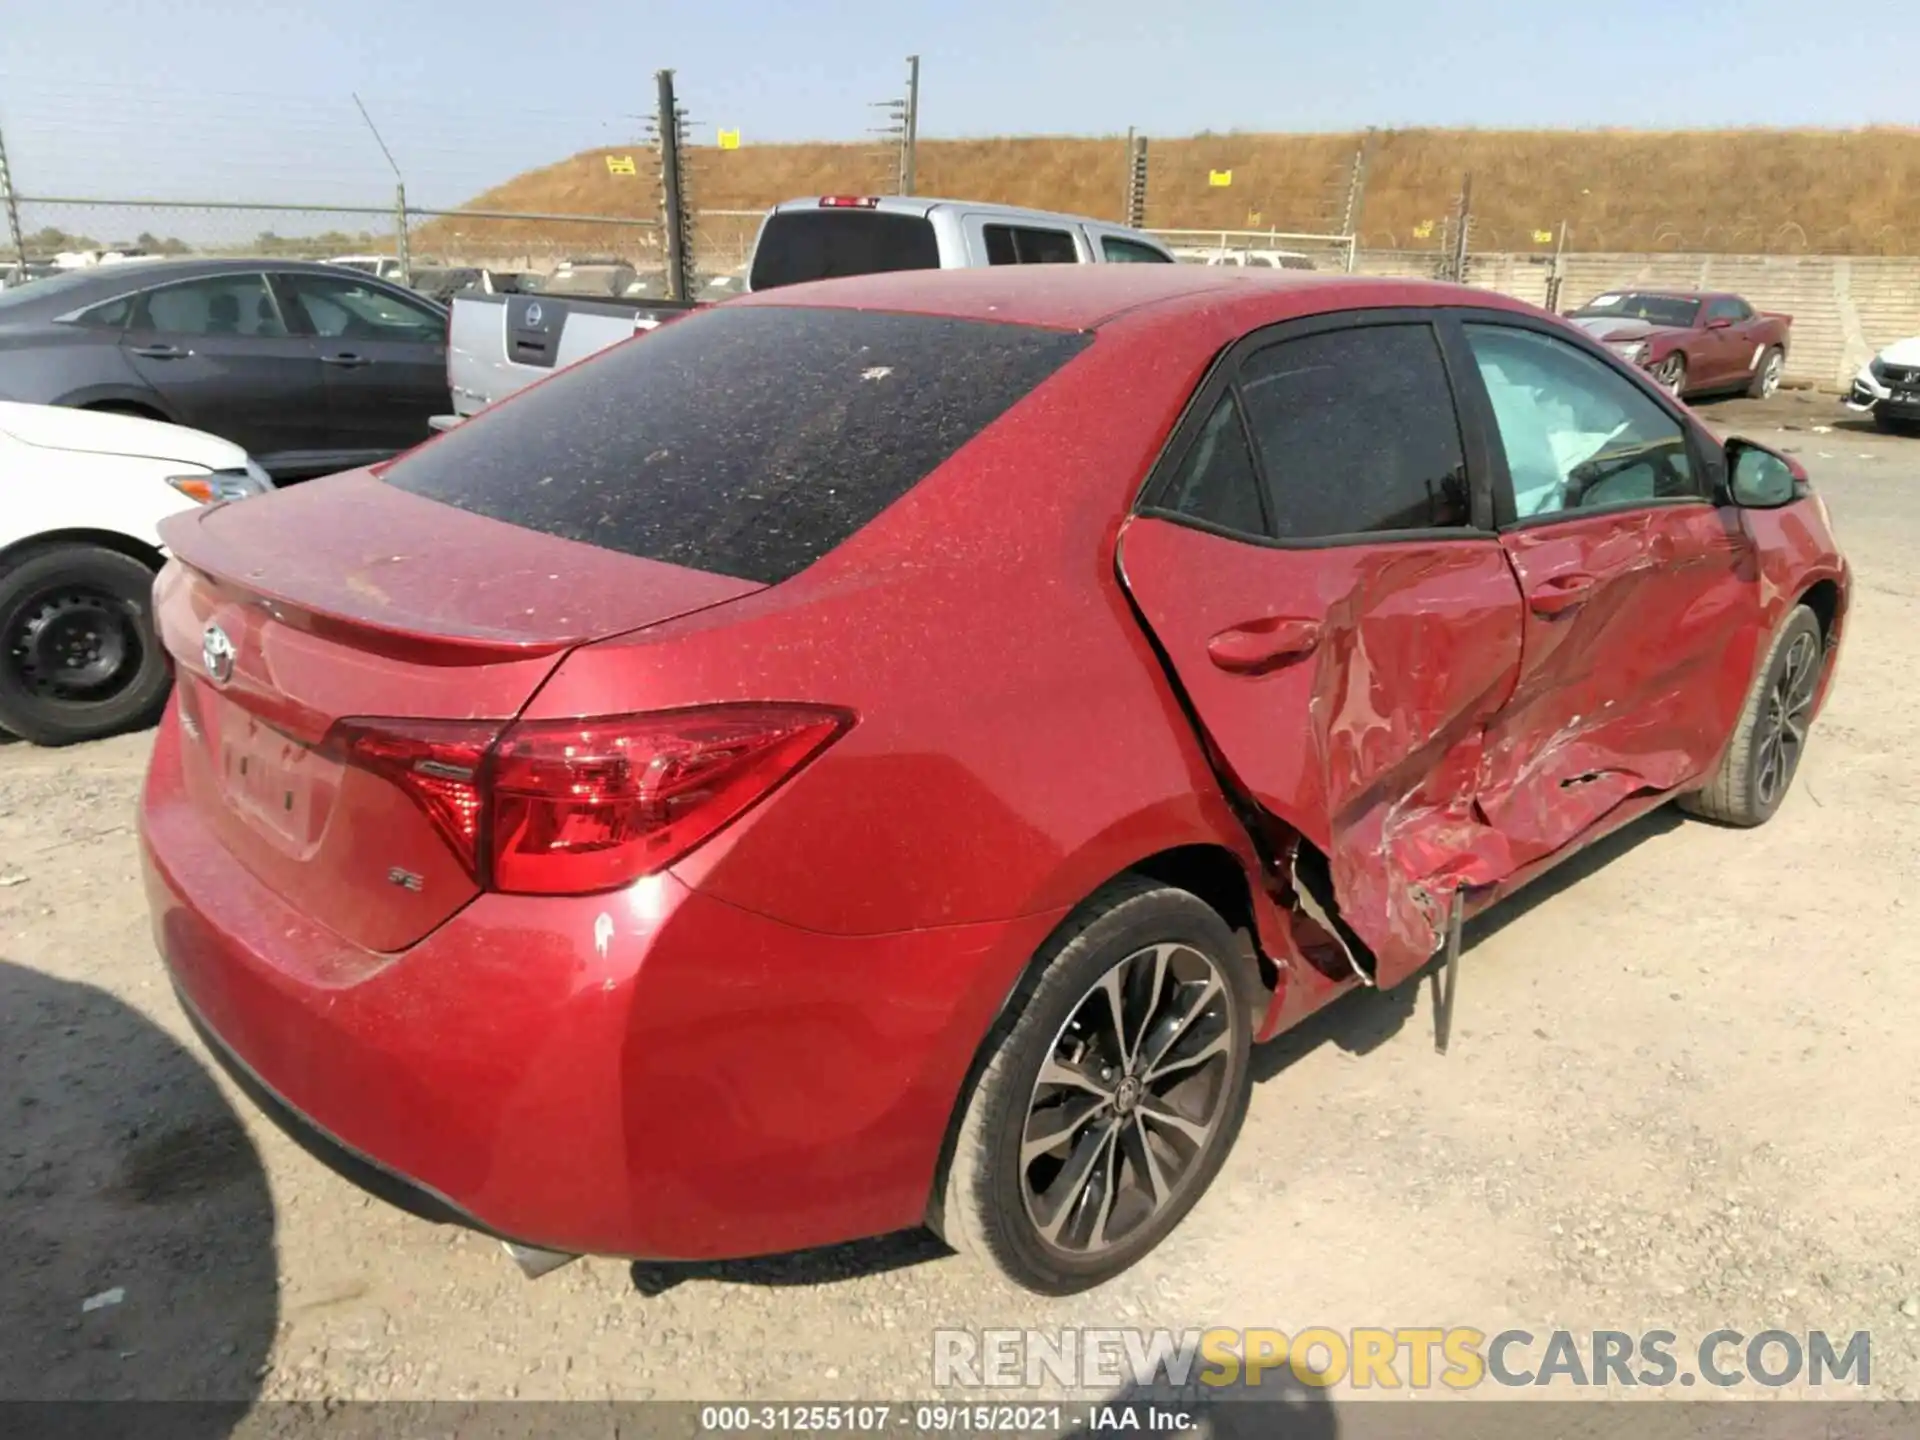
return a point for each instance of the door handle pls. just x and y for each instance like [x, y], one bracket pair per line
[1561, 594]
[346, 360]
[159, 352]
[1262, 645]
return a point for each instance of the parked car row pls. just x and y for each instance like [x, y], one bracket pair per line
[310, 368]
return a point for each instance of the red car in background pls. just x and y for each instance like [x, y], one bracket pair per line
[882, 752]
[1692, 342]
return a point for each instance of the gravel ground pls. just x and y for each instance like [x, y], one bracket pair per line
[1681, 1094]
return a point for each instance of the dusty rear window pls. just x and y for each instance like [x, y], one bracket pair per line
[744, 442]
[796, 246]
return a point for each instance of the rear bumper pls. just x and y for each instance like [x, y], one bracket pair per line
[651, 1073]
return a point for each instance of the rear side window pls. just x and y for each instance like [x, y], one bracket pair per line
[1356, 433]
[796, 246]
[1216, 482]
[1028, 245]
[746, 442]
[111, 316]
[1129, 252]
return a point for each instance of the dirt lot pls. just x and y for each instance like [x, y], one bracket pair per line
[1682, 1093]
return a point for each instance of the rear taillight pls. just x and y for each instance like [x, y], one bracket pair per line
[569, 807]
[436, 763]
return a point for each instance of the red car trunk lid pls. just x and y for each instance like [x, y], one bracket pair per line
[345, 598]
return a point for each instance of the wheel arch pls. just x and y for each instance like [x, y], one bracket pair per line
[1828, 604]
[1208, 870]
[120, 543]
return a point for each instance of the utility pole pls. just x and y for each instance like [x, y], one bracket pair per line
[903, 128]
[401, 251]
[1357, 185]
[670, 128]
[1554, 270]
[7, 197]
[1134, 215]
[1462, 232]
[910, 140]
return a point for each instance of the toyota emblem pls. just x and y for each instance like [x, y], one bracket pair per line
[217, 652]
[533, 313]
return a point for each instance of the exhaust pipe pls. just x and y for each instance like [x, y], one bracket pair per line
[534, 1263]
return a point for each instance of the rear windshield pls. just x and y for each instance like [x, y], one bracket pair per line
[800, 245]
[747, 441]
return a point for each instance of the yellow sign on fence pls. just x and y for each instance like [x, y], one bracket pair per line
[1423, 230]
[621, 165]
[1219, 179]
[1543, 237]
[729, 139]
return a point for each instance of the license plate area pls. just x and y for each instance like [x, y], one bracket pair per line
[282, 788]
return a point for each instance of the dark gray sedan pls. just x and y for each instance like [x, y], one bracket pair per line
[310, 368]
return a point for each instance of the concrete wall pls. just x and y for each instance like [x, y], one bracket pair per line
[1844, 308]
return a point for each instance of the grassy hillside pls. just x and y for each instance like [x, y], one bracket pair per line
[1778, 191]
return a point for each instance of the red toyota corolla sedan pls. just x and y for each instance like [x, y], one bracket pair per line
[883, 752]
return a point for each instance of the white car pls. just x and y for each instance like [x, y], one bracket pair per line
[381, 267]
[82, 494]
[1888, 387]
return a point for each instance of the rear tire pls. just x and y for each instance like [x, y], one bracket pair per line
[1763, 756]
[78, 655]
[1141, 1115]
[1766, 376]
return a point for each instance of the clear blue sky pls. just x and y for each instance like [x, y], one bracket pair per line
[228, 100]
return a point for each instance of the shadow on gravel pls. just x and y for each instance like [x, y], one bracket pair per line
[1275, 1407]
[825, 1266]
[1363, 1020]
[126, 1184]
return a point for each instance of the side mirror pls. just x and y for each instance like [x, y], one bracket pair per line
[1761, 479]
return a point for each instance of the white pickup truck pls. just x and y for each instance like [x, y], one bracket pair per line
[497, 344]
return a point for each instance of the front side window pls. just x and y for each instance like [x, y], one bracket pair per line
[1357, 433]
[1728, 309]
[347, 309]
[1577, 434]
[237, 305]
[1029, 245]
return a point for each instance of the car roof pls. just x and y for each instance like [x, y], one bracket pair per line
[927, 204]
[1660, 292]
[1086, 297]
[37, 303]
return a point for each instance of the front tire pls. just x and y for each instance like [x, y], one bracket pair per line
[78, 655]
[1766, 377]
[1112, 1090]
[1771, 735]
[1671, 374]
